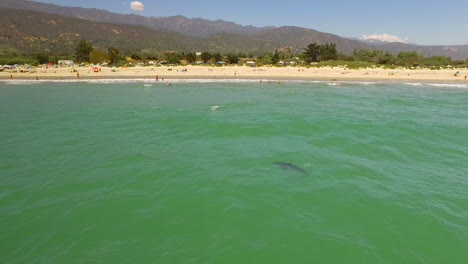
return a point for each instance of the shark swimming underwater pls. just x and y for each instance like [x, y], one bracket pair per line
[290, 166]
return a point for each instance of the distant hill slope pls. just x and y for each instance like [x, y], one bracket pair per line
[32, 32]
[193, 27]
[458, 52]
[298, 38]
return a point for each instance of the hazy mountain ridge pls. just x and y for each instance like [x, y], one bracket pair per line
[30, 31]
[197, 27]
[33, 32]
[203, 27]
[298, 38]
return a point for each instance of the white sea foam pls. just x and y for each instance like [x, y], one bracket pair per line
[441, 85]
[449, 85]
[18, 82]
[150, 82]
[413, 84]
[364, 83]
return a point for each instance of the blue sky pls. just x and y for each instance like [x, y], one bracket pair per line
[429, 22]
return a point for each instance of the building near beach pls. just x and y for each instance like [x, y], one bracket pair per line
[65, 63]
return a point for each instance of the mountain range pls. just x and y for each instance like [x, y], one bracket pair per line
[196, 27]
[33, 26]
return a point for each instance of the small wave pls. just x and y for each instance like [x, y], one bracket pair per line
[362, 83]
[413, 84]
[448, 85]
[150, 82]
[113, 81]
[18, 82]
[442, 85]
[139, 80]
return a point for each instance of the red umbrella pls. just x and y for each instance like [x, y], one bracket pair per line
[95, 68]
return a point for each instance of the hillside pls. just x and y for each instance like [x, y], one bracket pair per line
[458, 52]
[298, 38]
[193, 27]
[32, 32]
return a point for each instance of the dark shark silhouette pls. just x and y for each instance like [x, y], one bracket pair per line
[290, 166]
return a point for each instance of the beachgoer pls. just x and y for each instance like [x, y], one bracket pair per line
[157, 78]
[465, 78]
[77, 75]
[11, 76]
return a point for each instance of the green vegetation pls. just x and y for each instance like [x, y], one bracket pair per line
[191, 57]
[206, 56]
[113, 56]
[97, 56]
[172, 57]
[41, 58]
[82, 51]
[348, 64]
[315, 52]
[232, 58]
[217, 57]
[314, 55]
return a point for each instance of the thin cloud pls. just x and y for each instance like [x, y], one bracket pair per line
[384, 37]
[138, 6]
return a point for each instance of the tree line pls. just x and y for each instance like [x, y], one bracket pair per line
[314, 53]
[322, 53]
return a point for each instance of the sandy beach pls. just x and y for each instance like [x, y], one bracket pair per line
[240, 72]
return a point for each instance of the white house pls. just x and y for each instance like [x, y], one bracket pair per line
[65, 63]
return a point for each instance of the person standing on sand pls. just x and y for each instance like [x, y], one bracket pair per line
[465, 78]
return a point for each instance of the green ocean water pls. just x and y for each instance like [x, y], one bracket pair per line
[135, 172]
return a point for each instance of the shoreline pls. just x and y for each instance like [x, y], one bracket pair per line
[165, 73]
[132, 79]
